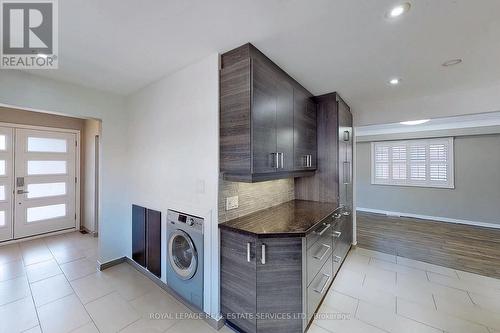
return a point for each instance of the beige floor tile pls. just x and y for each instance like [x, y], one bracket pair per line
[486, 302]
[18, 316]
[389, 320]
[129, 282]
[466, 285]
[163, 308]
[348, 278]
[51, 289]
[469, 312]
[63, 315]
[87, 328]
[427, 267]
[147, 326]
[457, 295]
[91, 287]
[10, 253]
[482, 280]
[438, 319]
[341, 302]
[331, 320]
[35, 329]
[13, 290]
[12, 270]
[65, 255]
[371, 295]
[400, 269]
[42, 270]
[374, 254]
[191, 325]
[317, 329]
[35, 252]
[78, 269]
[112, 313]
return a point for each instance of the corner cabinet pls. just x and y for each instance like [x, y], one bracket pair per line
[267, 120]
[275, 285]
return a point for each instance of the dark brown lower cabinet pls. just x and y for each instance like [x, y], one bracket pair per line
[275, 285]
[146, 238]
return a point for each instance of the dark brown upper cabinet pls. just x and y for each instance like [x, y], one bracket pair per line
[267, 120]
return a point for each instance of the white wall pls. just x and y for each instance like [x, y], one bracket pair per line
[433, 106]
[22, 90]
[92, 129]
[173, 156]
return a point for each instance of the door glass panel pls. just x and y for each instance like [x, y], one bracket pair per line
[182, 252]
[46, 190]
[45, 212]
[46, 145]
[2, 167]
[46, 167]
[2, 192]
[2, 142]
[2, 218]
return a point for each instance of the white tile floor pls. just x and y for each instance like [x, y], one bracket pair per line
[51, 285]
[378, 292]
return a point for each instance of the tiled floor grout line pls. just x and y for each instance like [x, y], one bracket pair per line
[33, 300]
[434, 300]
[74, 292]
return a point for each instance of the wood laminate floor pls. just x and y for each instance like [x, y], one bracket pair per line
[466, 248]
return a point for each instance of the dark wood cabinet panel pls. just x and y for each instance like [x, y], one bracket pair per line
[139, 235]
[238, 280]
[257, 121]
[279, 285]
[305, 134]
[264, 125]
[284, 124]
[153, 242]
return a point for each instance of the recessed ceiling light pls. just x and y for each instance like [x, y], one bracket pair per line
[399, 10]
[395, 81]
[415, 122]
[451, 62]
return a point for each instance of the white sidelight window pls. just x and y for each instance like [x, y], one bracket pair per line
[426, 163]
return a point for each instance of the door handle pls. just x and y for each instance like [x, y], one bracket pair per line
[347, 172]
[337, 234]
[22, 192]
[322, 290]
[347, 136]
[248, 252]
[325, 228]
[320, 257]
[263, 256]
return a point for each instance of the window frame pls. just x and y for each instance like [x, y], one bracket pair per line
[448, 141]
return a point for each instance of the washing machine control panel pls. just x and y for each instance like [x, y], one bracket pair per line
[185, 219]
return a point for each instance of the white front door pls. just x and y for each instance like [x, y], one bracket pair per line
[45, 183]
[6, 182]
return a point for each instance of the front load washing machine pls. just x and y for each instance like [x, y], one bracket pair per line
[185, 256]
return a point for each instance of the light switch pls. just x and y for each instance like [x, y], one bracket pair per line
[232, 202]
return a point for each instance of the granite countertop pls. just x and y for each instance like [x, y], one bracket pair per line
[293, 218]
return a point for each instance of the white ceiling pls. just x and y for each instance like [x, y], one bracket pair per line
[437, 124]
[327, 45]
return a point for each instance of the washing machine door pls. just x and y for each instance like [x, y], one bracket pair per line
[182, 254]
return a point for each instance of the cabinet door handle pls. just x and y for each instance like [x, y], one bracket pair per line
[263, 256]
[347, 172]
[309, 161]
[347, 135]
[337, 234]
[248, 251]
[325, 228]
[282, 159]
[322, 289]
[276, 162]
[337, 258]
[320, 257]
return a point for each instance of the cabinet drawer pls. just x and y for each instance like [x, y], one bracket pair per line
[324, 229]
[317, 255]
[318, 287]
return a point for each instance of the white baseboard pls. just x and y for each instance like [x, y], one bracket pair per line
[428, 217]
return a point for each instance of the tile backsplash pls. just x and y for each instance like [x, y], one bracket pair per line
[253, 196]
